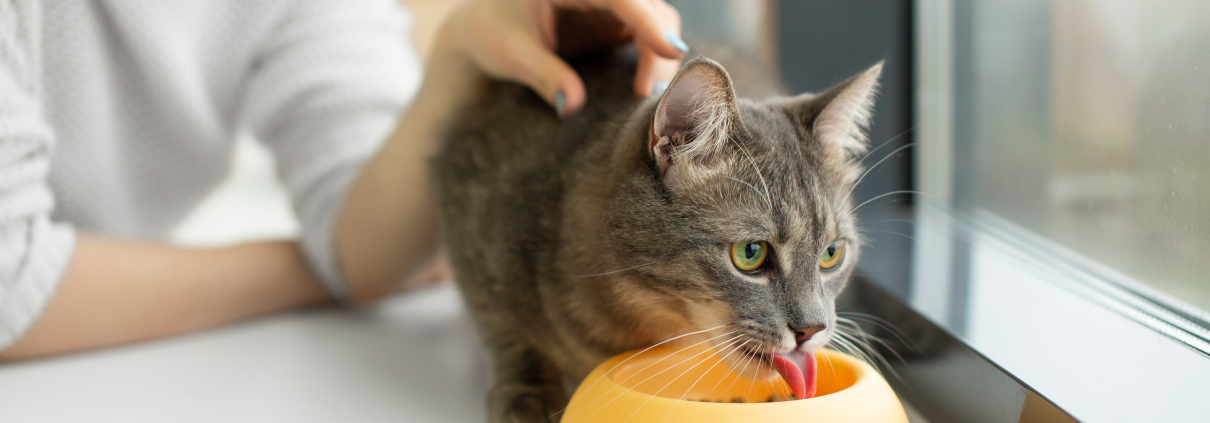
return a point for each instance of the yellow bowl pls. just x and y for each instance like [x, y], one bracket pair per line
[675, 384]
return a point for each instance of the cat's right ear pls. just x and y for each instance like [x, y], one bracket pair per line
[695, 118]
[839, 116]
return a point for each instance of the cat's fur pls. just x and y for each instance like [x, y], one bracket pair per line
[577, 239]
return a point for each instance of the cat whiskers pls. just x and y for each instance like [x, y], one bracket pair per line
[614, 271]
[866, 227]
[830, 366]
[888, 221]
[759, 362]
[739, 375]
[842, 344]
[779, 387]
[880, 161]
[767, 203]
[769, 382]
[620, 383]
[872, 319]
[848, 195]
[851, 338]
[884, 143]
[899, 335]
[712, 351]
[768, 197]
[902, 191]
[734, 348]
[671, 337]
[895, 233]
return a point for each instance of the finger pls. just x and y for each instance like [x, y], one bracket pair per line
[654, 73]
[655, 23]
[527, 61]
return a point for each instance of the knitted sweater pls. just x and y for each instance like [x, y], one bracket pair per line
[118, 116]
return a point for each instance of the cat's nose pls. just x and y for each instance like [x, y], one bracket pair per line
[804, 334]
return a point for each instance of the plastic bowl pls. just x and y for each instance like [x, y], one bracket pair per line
[676, 384]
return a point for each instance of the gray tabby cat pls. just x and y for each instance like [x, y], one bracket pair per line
[574, 240]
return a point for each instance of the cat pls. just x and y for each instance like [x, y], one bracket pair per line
[696, 211]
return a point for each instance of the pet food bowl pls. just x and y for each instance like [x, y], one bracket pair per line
[674, 384]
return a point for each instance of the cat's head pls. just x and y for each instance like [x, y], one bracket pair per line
[743, 221]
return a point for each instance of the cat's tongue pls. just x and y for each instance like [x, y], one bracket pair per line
[799, 375]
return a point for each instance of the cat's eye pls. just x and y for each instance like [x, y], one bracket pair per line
[832, 255]
[749, 255]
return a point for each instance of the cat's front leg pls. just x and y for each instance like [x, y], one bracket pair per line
[520, 403]
[528, 388]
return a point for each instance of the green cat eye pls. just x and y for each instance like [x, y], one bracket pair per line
[832, 255]
[749, 255]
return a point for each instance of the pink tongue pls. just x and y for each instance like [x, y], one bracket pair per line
[801, 379]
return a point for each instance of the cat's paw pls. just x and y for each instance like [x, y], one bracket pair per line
[522, 404]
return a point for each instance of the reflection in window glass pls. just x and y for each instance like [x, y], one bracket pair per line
[1088, 123]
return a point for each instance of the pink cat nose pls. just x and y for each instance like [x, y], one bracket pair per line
[804, 334]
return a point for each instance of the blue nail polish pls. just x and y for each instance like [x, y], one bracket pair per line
[659, 87]
[560, 103]
[676, 41]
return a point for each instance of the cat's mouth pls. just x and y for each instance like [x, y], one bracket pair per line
[797, 368]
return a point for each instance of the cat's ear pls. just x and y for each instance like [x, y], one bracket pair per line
[840, 115]
[695, 117]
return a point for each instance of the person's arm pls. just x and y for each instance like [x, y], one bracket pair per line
[328, 77]
[387, 226]
[61, 292]
[117, 292]
[388, 221]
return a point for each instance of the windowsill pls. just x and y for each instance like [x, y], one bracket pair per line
[1014, 325]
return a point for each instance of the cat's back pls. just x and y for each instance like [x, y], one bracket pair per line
[509, 130]
[505, 164]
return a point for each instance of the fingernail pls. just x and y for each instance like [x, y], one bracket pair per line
[560, 103]
[676, 41]
[659, 87]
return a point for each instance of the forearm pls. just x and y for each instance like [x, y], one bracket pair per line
[118, 292]
[387, 228]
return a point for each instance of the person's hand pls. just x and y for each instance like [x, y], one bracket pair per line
[516, 40]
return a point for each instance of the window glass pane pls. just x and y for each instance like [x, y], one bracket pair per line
[1087, 121]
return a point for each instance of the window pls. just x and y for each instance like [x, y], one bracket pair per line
[1060, 229]
[1089, 123]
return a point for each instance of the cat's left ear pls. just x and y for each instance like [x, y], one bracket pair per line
[839, 116]
[696, 116]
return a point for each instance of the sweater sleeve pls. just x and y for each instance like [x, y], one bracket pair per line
[34, 251]
[325, 92]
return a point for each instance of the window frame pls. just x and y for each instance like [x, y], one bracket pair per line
[933, 287]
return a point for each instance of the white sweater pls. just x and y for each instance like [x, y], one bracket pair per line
[118, 116]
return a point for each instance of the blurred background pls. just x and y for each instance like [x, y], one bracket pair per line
[1088, 124]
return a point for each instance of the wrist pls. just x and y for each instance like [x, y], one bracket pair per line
[275, 272]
